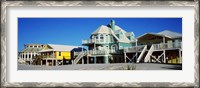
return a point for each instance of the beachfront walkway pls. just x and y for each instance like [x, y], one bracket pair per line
[117, 66]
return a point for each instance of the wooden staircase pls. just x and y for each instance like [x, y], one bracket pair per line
[141, 54]
[78, 58]
[147, 57]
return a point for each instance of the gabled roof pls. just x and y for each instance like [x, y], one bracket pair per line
[117, 31]
[31, 49]
[166, 33]
[119, 28]
[149, 34]
[129, 33]
[78, 49]
[107, 30]
[170, 34]
[101, 30]
[55, 47]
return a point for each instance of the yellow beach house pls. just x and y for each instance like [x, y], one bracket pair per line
[53, 54]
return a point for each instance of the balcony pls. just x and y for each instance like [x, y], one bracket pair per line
[97, 52]
[92, 41]
[177, 45]
[93, 52]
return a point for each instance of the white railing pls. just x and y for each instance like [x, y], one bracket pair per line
[161, 46]
[77, 53]
[93, 41]
[98, 52]
[142, 53]
[93, 52]
[147, 57]
[134, 48]
[76, 60]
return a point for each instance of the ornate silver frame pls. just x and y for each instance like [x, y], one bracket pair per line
[5, 4]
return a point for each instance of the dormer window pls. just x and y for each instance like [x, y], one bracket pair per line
[93, 36]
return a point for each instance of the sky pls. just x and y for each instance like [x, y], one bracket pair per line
[71, 31]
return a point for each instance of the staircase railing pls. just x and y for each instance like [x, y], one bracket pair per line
[141, 54]
[76, 60]
[147, 57]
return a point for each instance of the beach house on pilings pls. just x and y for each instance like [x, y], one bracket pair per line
[112, 44]
[106, 45]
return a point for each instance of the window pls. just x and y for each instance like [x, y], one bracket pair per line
[93, 36]
[33, 56]
[101, 36]
[59, 53]
[111, 39]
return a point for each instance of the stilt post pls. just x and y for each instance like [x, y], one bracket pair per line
[52, 62]
[95, 60]
[87, 60]
[106, 59]
[124, 57]
[180, 57]
[41, 62]
[164, 56]
[46, 63]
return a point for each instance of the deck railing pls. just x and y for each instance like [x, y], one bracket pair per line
[93, 52]
[98, 52]
[175, 45]
[93, 41]
[134, 48]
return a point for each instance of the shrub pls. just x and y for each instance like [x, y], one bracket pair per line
[129, 67]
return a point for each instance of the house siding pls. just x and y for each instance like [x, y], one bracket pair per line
[64, 55]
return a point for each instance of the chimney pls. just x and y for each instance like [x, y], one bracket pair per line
[113, 24]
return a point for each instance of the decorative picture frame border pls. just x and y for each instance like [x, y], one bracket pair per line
[6, 4]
